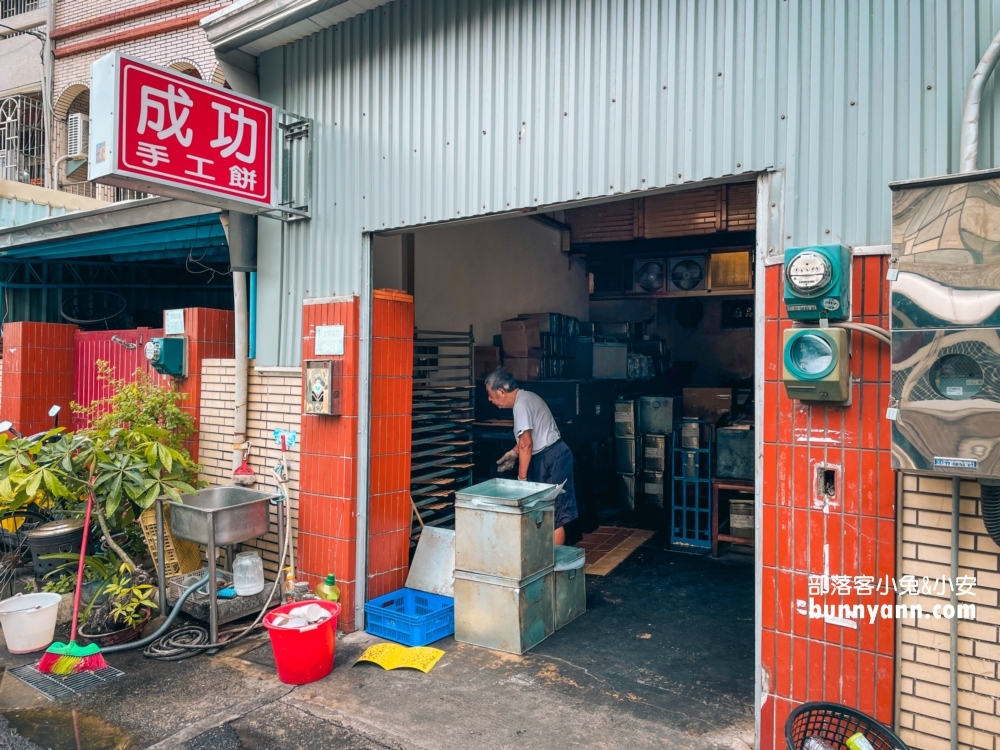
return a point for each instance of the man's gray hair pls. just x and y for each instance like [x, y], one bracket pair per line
[501, 380]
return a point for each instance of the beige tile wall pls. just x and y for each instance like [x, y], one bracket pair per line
[924, 658]
[275, 402]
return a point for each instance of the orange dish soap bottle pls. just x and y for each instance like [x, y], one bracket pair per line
[289, 588]
[329, 590]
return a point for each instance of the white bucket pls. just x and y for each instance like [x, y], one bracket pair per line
[29, 621]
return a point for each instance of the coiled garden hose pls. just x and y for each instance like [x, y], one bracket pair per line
[990, 500]
[164, 627]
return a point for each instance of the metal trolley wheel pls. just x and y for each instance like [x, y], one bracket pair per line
[93, 308]
[835, 723]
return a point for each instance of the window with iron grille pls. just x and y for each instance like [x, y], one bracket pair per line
[22, 139]
[10, 8]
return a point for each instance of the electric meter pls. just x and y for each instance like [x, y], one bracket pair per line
[816, 364]
[809, 273]
[817, 282]
[168, 356]
[957, 377]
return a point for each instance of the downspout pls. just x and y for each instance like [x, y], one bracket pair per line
[969, 143]
[253, 315]
[968, 162]
[240, 350]
[47, 89]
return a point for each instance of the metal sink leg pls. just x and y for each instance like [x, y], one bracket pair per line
[213, 602]
[161, 560]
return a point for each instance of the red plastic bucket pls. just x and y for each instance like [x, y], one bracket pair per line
[304, 655]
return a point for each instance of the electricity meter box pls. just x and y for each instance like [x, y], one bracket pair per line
[168, 356]
[945, 304]
[816, 365]
[818, 282]
[323, 387]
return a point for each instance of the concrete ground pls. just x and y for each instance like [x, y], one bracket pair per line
[662, 659]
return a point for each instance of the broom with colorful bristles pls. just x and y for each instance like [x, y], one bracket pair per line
[68, 658]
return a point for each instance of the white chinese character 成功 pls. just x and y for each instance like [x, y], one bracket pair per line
[965, 584]
[243, 178]
[200, 172]
[154, 114]
[818, 585]
[232, 143]
[152, 154]
[841, 585]
[864, 585]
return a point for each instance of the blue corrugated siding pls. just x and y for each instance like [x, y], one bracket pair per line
[433, 110]
[14, 212]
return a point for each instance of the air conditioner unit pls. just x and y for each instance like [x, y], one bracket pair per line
[687, 273]
[77, 134]
[649, 276]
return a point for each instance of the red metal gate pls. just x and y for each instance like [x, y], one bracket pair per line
[120, 349]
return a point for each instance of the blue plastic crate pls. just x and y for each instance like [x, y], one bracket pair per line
[411, 617]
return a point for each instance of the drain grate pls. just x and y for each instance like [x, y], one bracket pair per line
[54, 686]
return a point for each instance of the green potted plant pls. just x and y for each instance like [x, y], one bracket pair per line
[121, 617]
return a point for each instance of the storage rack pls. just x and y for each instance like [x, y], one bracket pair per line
[443, 412]
[691, 506]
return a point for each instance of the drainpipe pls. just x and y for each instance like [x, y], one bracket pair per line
[48, 91]
[956, 505]
[241, 335]
[54, 177]
[969, 143]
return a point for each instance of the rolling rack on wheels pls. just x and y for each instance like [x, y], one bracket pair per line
[691, 484]
[443, 412]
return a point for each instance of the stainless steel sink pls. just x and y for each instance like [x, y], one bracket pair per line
[236, 514]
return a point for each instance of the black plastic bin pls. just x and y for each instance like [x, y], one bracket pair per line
[835, 723]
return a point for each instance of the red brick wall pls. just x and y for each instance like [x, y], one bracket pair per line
[389, 513]
[38, 372]
[328, 471]
[803, 659]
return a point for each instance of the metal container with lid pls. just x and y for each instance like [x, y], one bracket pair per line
[658, 414]
[504, 528]
[504, 614]
[570, 589]
[55, 537]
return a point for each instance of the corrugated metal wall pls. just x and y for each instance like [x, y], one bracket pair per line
[434, 110]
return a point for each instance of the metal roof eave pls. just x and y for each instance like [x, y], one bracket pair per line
[74, 225]
[255, 26]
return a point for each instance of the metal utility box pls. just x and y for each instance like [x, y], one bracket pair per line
[945, 303]
[625, 418]
[659, 414]
[570, 589]
[654, 452]
[818, 282]
[610, 361]
[816, 364]
[653, 488]
[504, 614]
[734, 452]
[504, 528]
[625, 457]
[323, 386]
[168, 356]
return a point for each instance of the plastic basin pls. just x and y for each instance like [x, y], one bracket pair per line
[304, 655]
[29, 621]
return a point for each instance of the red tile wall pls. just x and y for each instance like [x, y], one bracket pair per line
[389, 514]
[37, 373]
[328, 503]
[807, 659]
[211, 335]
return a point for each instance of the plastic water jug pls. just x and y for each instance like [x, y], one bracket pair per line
[248, 574]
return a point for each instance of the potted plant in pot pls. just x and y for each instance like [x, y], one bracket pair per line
[121, 617]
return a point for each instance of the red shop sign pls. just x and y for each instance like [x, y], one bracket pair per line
[167, 133]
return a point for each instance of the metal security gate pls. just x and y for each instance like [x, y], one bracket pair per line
[120, 349]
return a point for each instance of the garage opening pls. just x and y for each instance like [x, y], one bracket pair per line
[633, 320]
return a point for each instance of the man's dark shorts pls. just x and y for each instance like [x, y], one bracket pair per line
[552, 466]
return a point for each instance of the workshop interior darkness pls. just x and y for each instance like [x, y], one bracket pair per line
[634, 321]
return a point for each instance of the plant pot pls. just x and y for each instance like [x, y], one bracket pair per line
[88, 591]
[115, 637]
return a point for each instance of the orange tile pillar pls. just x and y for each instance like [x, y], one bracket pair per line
[328, 455]
[210, 336]
[389, 513]
[37, 373]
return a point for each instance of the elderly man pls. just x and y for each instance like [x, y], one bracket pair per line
[540, 453]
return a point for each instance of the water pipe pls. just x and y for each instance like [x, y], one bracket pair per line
[956, 504]
[253, 315]
[164, 627]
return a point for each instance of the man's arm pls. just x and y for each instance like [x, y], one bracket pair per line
[523, 454]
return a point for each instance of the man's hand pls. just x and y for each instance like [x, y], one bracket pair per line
[507, 461]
